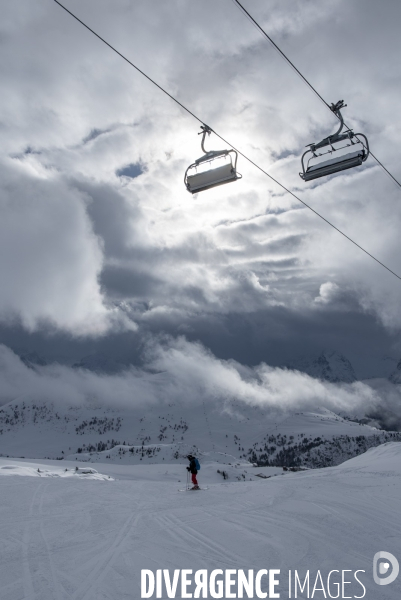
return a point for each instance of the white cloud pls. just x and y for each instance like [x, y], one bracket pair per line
[191, 374]
[327, 293]
[50, 258]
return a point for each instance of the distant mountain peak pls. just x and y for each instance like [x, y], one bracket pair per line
[32, 360]
[100, 363]
[395, 376]
[329, 365]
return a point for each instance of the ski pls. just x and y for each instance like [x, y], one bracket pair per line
[202, 489]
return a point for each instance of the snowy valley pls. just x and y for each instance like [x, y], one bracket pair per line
[167, 432]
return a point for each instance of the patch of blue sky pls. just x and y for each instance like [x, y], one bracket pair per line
[132, 170]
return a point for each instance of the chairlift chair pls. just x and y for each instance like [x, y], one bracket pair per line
[337, 161]
[212, 169]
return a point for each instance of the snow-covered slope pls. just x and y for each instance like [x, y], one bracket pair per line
[385, 458]
[85, 539]
[32, 469]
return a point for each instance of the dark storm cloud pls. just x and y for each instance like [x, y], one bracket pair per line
[121, 282]
[93, 134]
[276, 336]
[116, 221]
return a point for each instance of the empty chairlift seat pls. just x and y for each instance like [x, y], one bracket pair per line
[333, 158]
[334, 165]
[214, 168]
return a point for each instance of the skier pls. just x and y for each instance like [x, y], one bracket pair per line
[193, 464]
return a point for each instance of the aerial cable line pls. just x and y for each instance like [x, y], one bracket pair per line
[226, 142]
[280, 51]
[129, 62]
[266, 35]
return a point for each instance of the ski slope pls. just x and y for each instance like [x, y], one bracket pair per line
[86, 538]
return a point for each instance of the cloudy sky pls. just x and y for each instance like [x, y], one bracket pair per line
[102, 249]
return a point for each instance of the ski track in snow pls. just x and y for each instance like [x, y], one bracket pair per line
[56, 584]
[95, 578]
[76, 539]
[27, 577]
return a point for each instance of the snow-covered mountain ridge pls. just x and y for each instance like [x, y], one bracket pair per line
[329, 365]
[167, 432]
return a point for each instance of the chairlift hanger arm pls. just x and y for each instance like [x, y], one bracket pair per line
[205, 130]
[337, 136]
[336, 110]
[210, 154]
